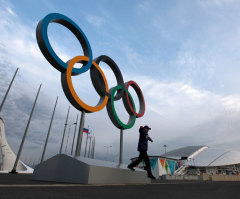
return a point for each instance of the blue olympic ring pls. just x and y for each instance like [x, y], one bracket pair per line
[47, 49]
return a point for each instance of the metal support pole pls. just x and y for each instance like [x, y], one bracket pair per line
[80, 135]
[85, 152]
[67, 138]
[93, 149]
[9, 87]
[25, 133]
[121, 146]
[89, 149]
[74, 134]
[91, 156]
[64, 131]
[49, 129]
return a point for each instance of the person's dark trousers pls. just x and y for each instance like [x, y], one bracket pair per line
[142, 156]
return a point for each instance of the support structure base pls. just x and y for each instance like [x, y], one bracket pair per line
[63, 168]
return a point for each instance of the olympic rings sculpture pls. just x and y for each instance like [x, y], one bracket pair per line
[107, 96]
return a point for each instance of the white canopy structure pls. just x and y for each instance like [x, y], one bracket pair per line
[8, 156]
[206, 159]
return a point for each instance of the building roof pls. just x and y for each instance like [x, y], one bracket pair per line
[203, 156]
[215, 157]
[182, 153]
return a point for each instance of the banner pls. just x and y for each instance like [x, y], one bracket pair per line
[171, 165]
[153, 163]
[162, 161]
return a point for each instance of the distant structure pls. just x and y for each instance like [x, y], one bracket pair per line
[195, 160]
[8, 156]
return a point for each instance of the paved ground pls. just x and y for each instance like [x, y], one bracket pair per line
[21, 186]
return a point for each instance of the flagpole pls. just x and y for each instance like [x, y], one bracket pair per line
[49, 129]
[69, 127]
[94, 148]
[64, 131]
[74, 134]
[80, 135]
[90, 142]
[86, 145]
[10, 85]
[93, 145]
[25, 134]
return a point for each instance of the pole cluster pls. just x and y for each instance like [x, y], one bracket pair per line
[91, 146]
[91, 138]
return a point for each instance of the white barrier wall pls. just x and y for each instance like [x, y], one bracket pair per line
[162, 166]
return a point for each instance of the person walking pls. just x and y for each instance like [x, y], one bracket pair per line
[142, 148]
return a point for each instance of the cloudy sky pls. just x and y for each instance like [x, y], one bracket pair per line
[183, 54]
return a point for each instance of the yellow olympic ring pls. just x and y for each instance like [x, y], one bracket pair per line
[79, 104]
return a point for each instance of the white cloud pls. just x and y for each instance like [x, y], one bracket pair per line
[231, 102]
[177, 111]
[145, 6]
[133, 58]
[206, 3]
[10, 11]
[181, 110]
[19, 44]
[95, 20]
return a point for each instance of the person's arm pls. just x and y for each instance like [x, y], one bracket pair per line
[150, 139]
[141, 129]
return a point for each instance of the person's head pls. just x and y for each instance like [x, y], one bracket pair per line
[147, 128]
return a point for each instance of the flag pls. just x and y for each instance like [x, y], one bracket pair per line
[85, 130]
[90, 134]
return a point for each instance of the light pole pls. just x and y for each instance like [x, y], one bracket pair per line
[69, 133]
[165, 146]
[107, 151]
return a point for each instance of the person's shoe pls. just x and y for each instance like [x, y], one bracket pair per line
[131, 168]
[145, 168]
[151, 176]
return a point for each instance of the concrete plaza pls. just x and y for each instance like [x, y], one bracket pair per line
[21, 186]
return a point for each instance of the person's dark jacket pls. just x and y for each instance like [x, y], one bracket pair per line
[143, 139]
